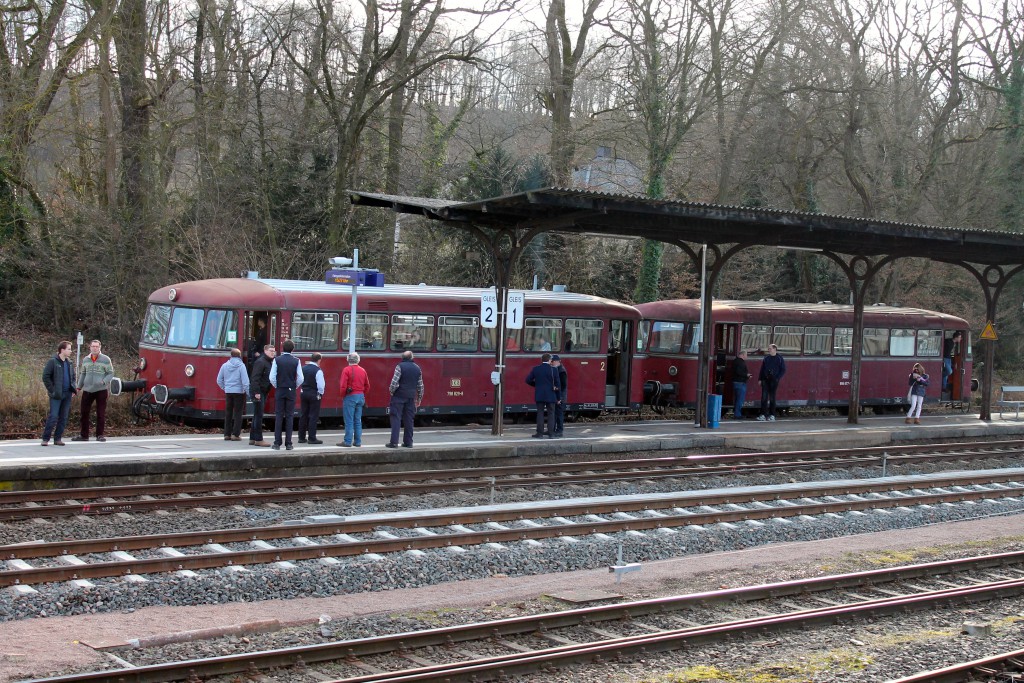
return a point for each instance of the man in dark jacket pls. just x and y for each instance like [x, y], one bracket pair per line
[563, 394]
[773, 367]
[259, 386]
[406, 396]
[312, 391]
[544, 380]
[740, 375]
[59, 380]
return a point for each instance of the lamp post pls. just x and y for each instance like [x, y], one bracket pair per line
[345, 262]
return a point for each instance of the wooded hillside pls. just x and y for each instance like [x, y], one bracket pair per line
[146, 142]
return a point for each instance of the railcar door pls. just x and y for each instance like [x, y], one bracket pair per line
[725, 337]
[954, 359]
[260, 330]
[617, 366]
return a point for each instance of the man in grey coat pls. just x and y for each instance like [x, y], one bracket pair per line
[234, 380]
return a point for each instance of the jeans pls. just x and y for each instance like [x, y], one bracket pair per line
[256, 429]
[402, 410]
[947, 372]
[234, 406]
[916, 403]
[100, 397]
[768, 389]
[57, 418]
[352, 409]
[284, 415]
[739, 394]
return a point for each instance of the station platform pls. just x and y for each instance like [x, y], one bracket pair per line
[25, 464]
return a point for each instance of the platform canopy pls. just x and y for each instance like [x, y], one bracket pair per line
[566, 210]
[859, 246]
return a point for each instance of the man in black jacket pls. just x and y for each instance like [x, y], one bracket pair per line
[740, 375]
[563, 394]
[544, 380]
[259, 386]
[59, 380]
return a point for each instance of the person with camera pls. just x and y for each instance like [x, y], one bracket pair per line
[773, 367]
[354, 385]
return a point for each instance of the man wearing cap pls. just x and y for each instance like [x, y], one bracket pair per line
[563, 394]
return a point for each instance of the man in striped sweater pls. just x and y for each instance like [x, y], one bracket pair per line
[93, 382]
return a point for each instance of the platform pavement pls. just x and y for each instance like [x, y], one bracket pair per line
[189, 457]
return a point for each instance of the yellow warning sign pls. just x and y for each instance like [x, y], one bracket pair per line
[989, 332]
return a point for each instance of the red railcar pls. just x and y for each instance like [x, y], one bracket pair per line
[190, 326]
[814, 339]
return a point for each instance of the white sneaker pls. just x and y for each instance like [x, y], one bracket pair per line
[771, 418]
[761, 418]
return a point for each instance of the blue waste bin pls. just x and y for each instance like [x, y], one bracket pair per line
[714, 410]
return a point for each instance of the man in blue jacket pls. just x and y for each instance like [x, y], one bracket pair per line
[59, 380]
[773, 367]
[546, 387]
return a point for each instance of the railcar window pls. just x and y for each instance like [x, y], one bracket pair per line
[542, 334]
[457, 333]
[489, 339]
[901, 343]
[756, 337]
[817, 341]
[642, 338]
[876, 341]
[583, 335]
[221, 330]
[186, 324]
[667, 337]
[158, 320]
[788, 338]
[929, 343]
[415, 332]
[843, 344]
[312, 331]
[371, 331]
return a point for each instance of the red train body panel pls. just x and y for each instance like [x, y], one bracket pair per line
[814, 340]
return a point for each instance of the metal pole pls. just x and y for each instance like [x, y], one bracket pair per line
[703, 363]
[498, 422]
[355, 290]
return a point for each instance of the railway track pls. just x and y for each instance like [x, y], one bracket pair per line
[1006, 667]
[374, 535]
[502, 648]
[145, 498]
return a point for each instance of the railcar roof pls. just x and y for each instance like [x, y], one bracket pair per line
[723, 305]
[259, 291]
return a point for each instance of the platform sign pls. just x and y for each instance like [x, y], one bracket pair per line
[989, 332]
[350, 277]
[515, 309]
[489, 309]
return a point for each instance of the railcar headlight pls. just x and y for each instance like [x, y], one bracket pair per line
[142, 363]
[189, 370]
[673, 370]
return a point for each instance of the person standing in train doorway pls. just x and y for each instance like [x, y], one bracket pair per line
[918, 381]
[313, 387]
[59, 380]
[544, 380]
[406, 396]
[563, 394]
[950, 348]
[740, 375]
[773, 367]
[259, 384]
[93, 382]
[353, 385]
[286, 377]
[234, 382]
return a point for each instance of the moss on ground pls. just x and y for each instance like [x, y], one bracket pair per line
[844, 659]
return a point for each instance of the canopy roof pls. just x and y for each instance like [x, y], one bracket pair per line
[567, 210]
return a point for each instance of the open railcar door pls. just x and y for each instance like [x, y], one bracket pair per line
[617, 367]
